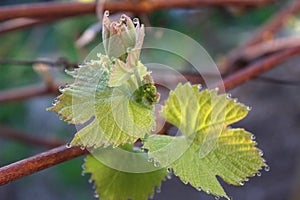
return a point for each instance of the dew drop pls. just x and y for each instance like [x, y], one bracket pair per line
[156, 164]
[106, 13]
[136, 21]
[96, 195]
[258, 174]
[199, 189]
[261, 153]
[158, 190]
[249, 108]
[90, 180]
[217, 198]
[151, 196]
[150, 159]
[169, 176]
[241, 183]
[82, 173]
[235, 100]
[253, 137]
[169, 170]
[267, 168]
[228, 96]
[61, 87]
[54, 101]
[217, 89]
[82, 148]
[208, 191]
[123, 18]
[68, 145]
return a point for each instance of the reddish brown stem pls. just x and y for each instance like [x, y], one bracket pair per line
[266, 32]
[258, 68]
[274, 24]
[38, 162]
[49, 10]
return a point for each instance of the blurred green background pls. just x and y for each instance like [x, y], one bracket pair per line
[274, 119]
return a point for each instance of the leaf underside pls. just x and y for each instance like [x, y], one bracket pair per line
[111, 184]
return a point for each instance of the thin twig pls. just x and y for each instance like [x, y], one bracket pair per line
[276, 22]
[27, 139]
[40, 10]
[257, 68]
[260, 49]
[38, 162]
[267, 31]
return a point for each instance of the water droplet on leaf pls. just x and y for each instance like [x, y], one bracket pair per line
[158, 190]
[96, 195]
[136, 21]
[267, 168]
[68, 145]
[258, 174]
[106, 13]
[156, 164]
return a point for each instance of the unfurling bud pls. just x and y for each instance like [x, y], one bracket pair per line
[122, 38]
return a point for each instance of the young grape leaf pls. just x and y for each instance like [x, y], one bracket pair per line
[112, 184]
[208, 149]
[111, 114]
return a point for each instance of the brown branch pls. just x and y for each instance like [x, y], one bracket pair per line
[39, 10]
[27, 139]
[258, 68]
[263, 48]
[267, 31]
[38, 162]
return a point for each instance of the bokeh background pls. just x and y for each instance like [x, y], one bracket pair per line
[274, 118]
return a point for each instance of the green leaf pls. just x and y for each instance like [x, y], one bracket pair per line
[112, 184]
[112, 115]
[210, 148]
